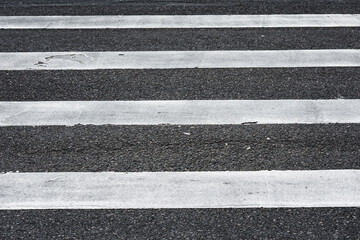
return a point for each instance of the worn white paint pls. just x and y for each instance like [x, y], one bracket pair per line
[180, 21]
[188, 112]
[268, 189]
[179, 59]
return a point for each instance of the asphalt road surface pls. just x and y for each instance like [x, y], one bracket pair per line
[179, 148]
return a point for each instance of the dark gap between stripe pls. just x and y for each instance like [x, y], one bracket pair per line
[181, 84]
[179, 148]
[177, 7]
[287, 223]
[53, 40]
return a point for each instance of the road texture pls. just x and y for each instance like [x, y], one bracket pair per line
[249, 147]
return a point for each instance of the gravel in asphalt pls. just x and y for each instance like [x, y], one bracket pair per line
[41, 40]
[174, 148]
[181, 84]
[136, 7]
[298, 223]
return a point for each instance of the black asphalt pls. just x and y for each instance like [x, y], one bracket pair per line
[185, 148]
[178, 39]
[177, 84]
[135, 7]
[301, 223]
[179, 148]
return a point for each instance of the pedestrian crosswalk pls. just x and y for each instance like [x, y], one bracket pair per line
[184, 150]
[181, 189]
[179, 59]
[183, 112]
[178, 21]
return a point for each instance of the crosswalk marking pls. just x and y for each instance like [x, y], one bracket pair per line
[108, 131]
[179, 59]
[235, 189]
[180, 21]
[188, 112]
[80, 190]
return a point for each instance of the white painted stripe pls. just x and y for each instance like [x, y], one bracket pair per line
[180, 21]
[188, 112]
[85, 190]
[179, 59]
